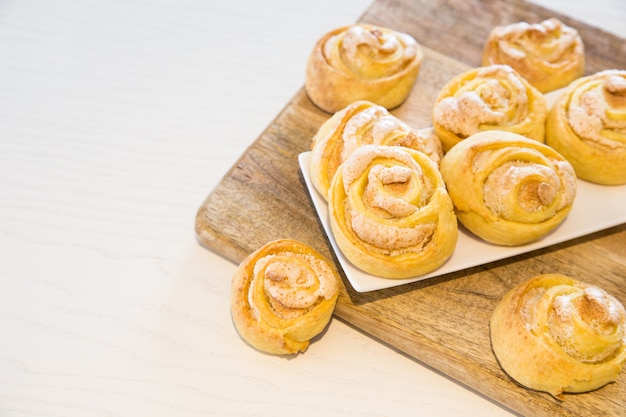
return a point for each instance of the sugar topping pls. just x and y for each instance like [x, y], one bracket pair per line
[423, 140]
[615, 85]
[355, 131]
[591, 116]
[362, 45]
[588, 323]
[391, 203]
[495, 96]
[530, 186]
[391, 239]
[463, 114]
[359, 160]
[603, 307]
[396, 188]
[293, 281]
[550, 39]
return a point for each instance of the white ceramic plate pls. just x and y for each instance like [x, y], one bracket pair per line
[596, 208]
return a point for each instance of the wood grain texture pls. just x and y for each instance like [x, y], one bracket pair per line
[442, 322]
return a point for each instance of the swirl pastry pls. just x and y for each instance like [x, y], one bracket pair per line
[549, 55]
[282, 295]
[362, 62]
[390, 213]
[587, 125]
[493, 97]
[508, 189]
[555, 334]
[360, 123]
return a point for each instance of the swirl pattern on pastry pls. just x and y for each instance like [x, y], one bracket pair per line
[508, 189]
[549, 55]
[555, 334]
[390, 213]
[361, 123]
[282, 295]
[493, 97]
[587, 125]
[362, 62]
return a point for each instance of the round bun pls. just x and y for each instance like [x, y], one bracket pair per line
[362, 62]
[282, 295]
[508, 189]
[549, 55]
[555, 334]
[390, 213]
[587, 125]
[488, 98]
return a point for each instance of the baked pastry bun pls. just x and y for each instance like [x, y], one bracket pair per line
[549, 55]
[587, 125]
[362, 62]
[487, 98]
[282, 295]
[508, 189]
[555, 334]
[390, 213]
[361, 123]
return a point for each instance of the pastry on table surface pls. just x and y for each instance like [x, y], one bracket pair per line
[555, 334]
[508, 189]
[282, 295]
[361, 123]
[362, 62]
[549, 54]
[587, 125]
[484, 98]
[390, 213]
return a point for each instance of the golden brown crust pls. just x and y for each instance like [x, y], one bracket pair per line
[549, 54]
[362, 62]
[587, 125]
[555, 334]
[282, 295]
[508, 189]
[487, 98]
[361, 123]
[390, 213]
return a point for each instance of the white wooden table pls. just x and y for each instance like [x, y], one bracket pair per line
[117, 118]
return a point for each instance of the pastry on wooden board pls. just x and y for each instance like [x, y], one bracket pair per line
[362, 62]
[487, 98]
[282, 295]
[587, 125]
[555, 334]
[390, 213]
[361, 123]
[549, 54]
[508, 189]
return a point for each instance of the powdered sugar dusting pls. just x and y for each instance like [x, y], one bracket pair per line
[463, 114]
[391, 239]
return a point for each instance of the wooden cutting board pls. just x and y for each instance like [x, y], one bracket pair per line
[442, 322]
